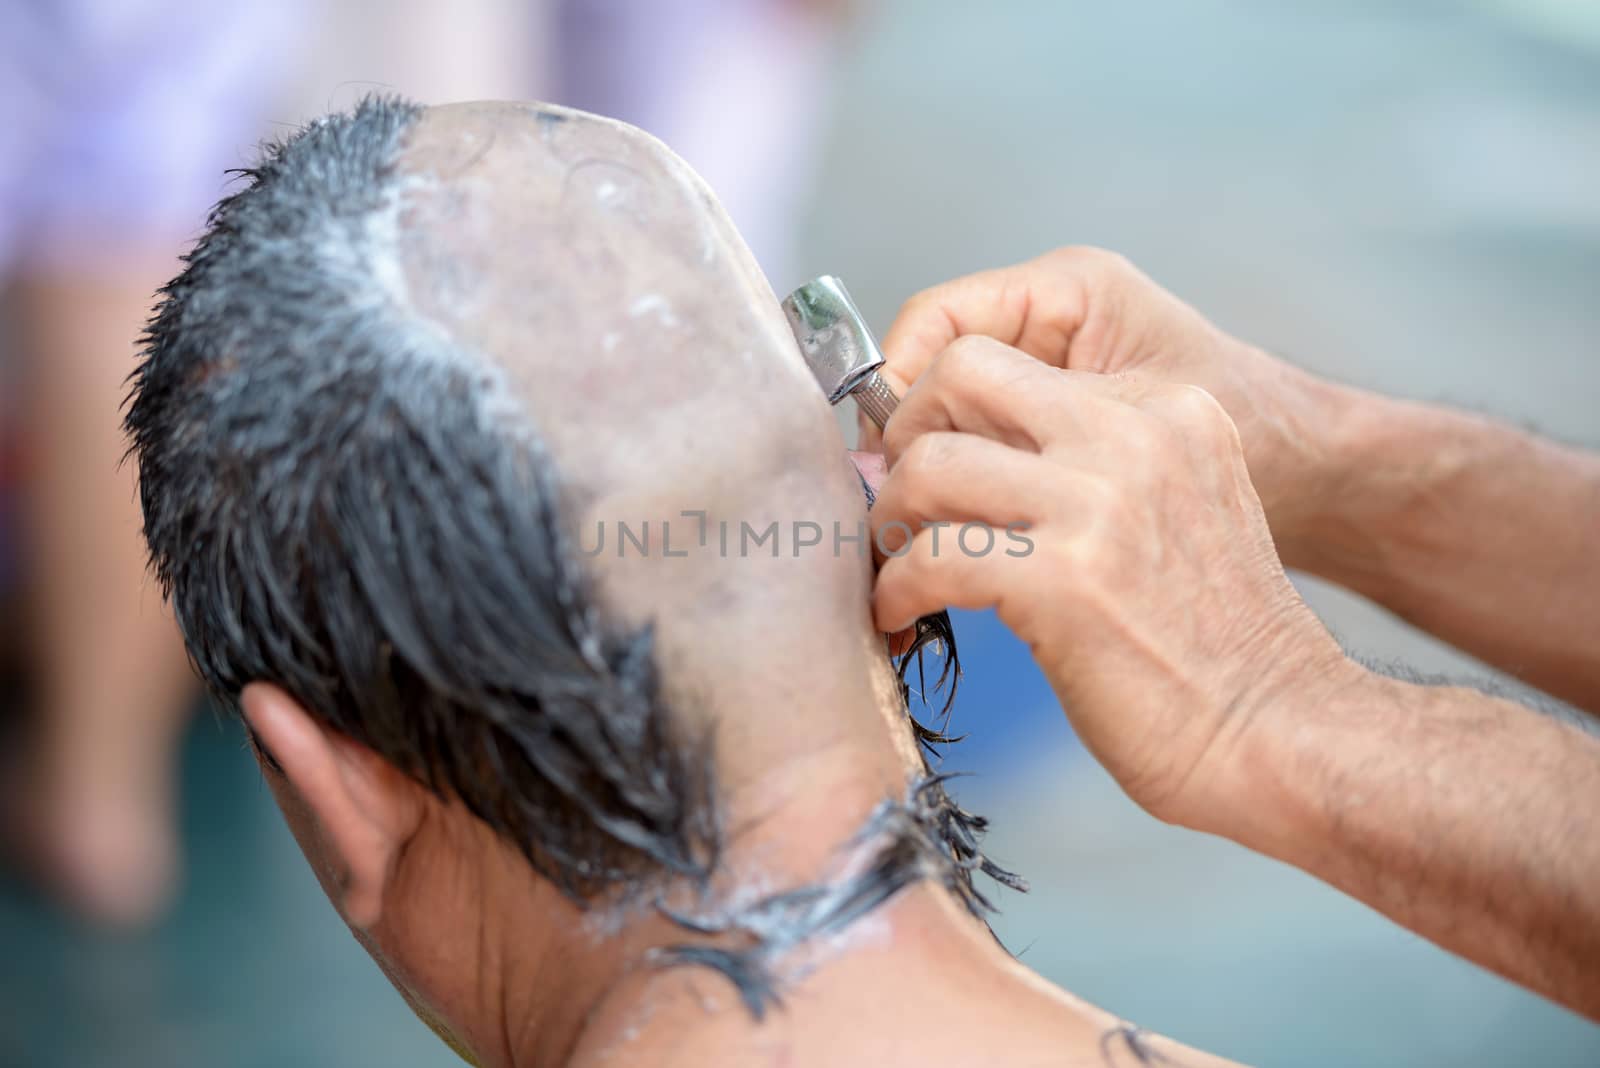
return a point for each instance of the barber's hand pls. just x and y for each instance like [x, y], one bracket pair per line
[1090, 310]
[1152, 597]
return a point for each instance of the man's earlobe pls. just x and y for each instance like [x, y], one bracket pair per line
[264, 755]
[350, 810]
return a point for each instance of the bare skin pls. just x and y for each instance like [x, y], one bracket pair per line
[596, 271]
[93, 805]
[1157, 603]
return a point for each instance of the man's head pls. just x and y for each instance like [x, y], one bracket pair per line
[402, 422]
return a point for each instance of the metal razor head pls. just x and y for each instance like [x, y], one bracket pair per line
[838, 346]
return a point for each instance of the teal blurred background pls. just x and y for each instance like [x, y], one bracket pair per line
[1402, 194]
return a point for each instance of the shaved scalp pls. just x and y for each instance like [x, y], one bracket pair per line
[340, 499]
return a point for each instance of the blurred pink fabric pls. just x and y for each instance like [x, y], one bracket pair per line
[117, 118]
[739, 88]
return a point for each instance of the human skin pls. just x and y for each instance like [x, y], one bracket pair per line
[1169, 472]
[633, 328]
[91, 806]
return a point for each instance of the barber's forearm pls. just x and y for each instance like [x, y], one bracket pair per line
[1476, 532]
[1467, 819]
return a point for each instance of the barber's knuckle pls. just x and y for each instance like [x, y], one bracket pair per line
[897, 435]
[922, 304]
[1145, 437]
[1114, 265]
[1081, 255]
[927, 454]
[1201, 418]
[966, 356]
[1173, 414]
[1075, 562]
[1102, 500]
[921, 464]
[1099, 264]
[1221, 435]
[1195, 405]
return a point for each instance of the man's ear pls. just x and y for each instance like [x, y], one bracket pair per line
[351, 811]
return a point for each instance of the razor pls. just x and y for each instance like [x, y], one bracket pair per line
[838, 346]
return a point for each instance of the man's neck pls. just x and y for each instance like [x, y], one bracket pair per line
[834, 902]
[913, 978]
[917, 981]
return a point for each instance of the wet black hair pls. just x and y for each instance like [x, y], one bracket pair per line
[340, 499]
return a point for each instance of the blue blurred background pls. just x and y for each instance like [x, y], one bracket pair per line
[1400, 194]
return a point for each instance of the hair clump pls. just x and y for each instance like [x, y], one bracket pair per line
[341, 500]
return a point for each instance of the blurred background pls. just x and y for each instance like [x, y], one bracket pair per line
[1396, 193]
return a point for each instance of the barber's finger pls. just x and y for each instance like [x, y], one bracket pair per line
[993, 304]
[980, 386]
[959, 479]
[924, 578]
[1021, 305]
[977, 386]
